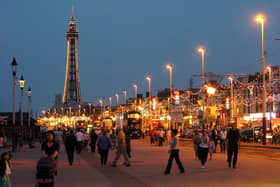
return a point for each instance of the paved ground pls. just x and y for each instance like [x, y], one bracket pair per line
[256, 167]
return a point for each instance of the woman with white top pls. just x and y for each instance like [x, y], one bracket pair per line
[174, 153]
[5, 170]
[203, 148]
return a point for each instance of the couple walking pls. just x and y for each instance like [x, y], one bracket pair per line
[203, 145]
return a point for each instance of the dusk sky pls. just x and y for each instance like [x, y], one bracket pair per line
[122, 41]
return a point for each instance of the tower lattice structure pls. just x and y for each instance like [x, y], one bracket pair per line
[72, 92]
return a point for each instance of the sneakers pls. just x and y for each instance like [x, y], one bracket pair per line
[202, 167]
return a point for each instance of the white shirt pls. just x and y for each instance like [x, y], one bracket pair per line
[8, 169]
[223, 135]
[79, 136]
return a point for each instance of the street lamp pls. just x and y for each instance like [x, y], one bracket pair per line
[202, 51]
[124, 95]
[170, 68]
[110, 105]
[118, 97]
[29, 104]
[14, 73]
[101, 107]
[30, 134]
[260, 19]
[149, 79]
[21, 85]
[270, 93]
[231, 96]
[136, 92]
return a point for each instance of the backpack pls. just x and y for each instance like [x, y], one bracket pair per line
[45, 168]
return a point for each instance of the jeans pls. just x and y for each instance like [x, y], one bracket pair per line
[103, 156]
[203, 154]
[70, 155]
[174, 154]
[232, 150]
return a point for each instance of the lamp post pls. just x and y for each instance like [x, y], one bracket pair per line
[101, 106]
[260, 19]
[124, 96]
[21, 85]
[149, 79]
[136, 92]
[89, 108]
[170, 68]
[202, 51]
[30, 134]
[110, 105]
[270, 94]
[117, 97]
[14, 73]
[29, 105]
[231, 96]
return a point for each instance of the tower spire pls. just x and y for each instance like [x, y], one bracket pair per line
[72, 11]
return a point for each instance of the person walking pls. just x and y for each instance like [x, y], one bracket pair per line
[232, 141]
[5, 170]
[104, 145]
[174, 153]
[79, 137]
[161, 138]
[121, 149]
[50, 148]
[196, 142]
[93, 138]
[70, 143]
[223, 140]
[203, 148]
[215, 136]
[211, 147]
[128, 143]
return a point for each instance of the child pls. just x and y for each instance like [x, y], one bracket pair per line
[5, 170]
[211, 147]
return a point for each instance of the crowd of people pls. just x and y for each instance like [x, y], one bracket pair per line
[78, 141]
[205, 143]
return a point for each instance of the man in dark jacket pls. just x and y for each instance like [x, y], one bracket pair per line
[70, 143]
[232, 141]
[93, 138]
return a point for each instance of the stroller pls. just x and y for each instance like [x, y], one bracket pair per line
[45, 172]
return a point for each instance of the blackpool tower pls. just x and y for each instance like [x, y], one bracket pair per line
[72, 92]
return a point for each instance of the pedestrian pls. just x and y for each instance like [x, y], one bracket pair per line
[233, 141]
[5, 170]
[70, 143]
[223, 140]
[215, 136]
[104, 145]
[128, 143]
[203, 148]
[152, 138]
[161, 138]
[93, 138]
[196, 142]
[50, 148]
[121, 148]
[211, 147]
[174, 153]
[79, 137]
